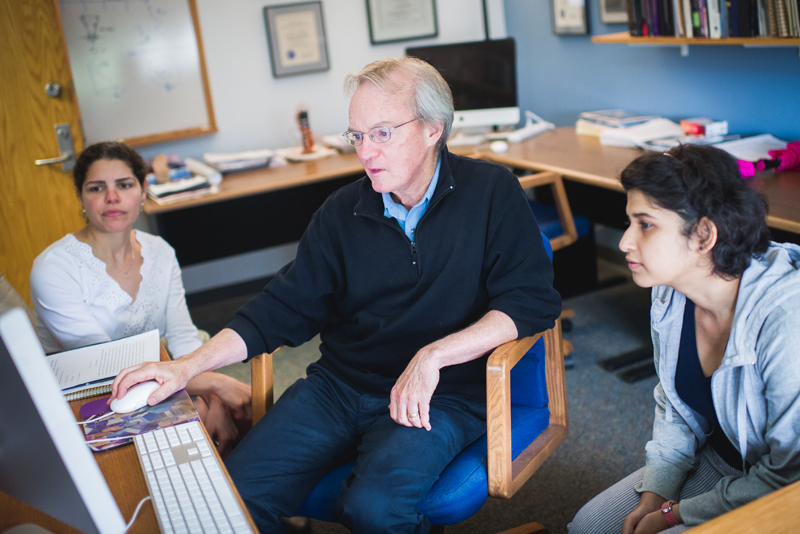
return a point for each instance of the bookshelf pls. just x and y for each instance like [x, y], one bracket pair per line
[684, 42]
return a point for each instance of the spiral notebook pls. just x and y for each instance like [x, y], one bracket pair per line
[90, 371]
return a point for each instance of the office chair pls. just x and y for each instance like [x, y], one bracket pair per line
[559, 226]
[527, 419]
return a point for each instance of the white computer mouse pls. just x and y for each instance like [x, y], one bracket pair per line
[135, 398]
[498, 146]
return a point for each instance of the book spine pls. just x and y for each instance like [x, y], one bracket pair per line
[780, 16]
[723, 18]
[686, 9]
[733, 18]
[772, 21]
[761, 12]
[702, 13]
[669, 19]
[744, 18]
[714, 31]
[655, 26]
[634, 17]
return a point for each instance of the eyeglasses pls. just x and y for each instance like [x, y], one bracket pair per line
[379, 134]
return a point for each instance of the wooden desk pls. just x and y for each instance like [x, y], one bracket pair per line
[125, 479]
[771, 514]
[267, 207]
[266, 180]
[583, 159]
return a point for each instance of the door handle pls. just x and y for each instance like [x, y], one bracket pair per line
[65, 147]
[51, 161]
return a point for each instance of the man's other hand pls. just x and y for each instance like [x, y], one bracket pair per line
[411, 395]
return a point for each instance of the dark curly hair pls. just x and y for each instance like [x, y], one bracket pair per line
[697, 181]
[109, 150]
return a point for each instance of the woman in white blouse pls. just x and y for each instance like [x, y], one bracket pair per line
[109, 281]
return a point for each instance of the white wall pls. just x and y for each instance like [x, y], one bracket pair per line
[255, 110]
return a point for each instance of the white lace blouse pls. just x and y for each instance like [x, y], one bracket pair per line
[77, 303]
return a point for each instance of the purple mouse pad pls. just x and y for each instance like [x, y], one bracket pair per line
[175, 409]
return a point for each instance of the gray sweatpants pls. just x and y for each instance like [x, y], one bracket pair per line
[604, 514]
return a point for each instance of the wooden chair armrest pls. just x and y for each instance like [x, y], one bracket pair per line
[556, 183]
[507, 476]
[262, 384]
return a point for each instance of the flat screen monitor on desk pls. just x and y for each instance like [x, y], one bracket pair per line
[44, 460]
[483, 78]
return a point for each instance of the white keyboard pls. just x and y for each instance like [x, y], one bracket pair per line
[189, 489]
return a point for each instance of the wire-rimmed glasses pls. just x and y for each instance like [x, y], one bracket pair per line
[379, 134]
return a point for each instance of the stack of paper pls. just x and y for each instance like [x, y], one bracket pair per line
[596, 122]
[636, 136]
[187, 188]
[239, 161]
[753, 148]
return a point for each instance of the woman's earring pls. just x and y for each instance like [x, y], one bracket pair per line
[85, 218]
[701, 247]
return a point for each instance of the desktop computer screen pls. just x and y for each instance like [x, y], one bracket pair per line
[483, 78]
[44, 460]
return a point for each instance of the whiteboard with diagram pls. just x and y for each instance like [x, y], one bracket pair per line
[138, 69]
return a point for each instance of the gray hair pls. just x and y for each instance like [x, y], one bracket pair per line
[432, 102]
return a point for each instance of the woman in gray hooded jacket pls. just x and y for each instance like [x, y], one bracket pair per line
[725, 324]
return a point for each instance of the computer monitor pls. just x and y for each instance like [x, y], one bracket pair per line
[44, 460]
[483, 78]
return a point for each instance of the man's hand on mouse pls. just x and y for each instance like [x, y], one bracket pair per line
[171, 375]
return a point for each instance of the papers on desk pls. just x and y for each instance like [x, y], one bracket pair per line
[178, 190]
[96, 365]
[753, 148]
[636, 136]
[239, 161]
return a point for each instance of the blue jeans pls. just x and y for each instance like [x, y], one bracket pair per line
[320, 423]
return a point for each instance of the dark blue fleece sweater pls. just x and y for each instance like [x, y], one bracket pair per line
[376, 298]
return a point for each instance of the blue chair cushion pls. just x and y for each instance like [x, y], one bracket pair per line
[463, 486]
[549, 223]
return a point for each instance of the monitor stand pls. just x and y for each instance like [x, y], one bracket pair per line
[467, 136]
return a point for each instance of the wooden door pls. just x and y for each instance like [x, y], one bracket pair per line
[38, 205]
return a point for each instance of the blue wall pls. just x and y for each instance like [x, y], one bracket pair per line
[756, 90]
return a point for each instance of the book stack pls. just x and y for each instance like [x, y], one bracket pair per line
[714, 19]
[184, 189]
[595, 122]
[239, 161]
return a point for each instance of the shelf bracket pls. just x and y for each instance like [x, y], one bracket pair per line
[684, 50]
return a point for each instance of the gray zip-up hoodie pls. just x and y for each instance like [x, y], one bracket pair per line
[756, 391]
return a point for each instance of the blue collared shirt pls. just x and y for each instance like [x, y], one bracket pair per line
[408, 219]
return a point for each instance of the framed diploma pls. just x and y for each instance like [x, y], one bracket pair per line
[391, 21]
[296, 36]
[569, 17]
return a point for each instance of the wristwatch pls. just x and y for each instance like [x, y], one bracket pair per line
[666, 509]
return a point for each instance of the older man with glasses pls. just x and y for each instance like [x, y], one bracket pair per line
[411, 275]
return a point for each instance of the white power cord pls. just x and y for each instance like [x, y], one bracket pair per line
[136, 512]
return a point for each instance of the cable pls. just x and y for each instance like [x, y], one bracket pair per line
[93, 420]
[108, 439]
[136, 512]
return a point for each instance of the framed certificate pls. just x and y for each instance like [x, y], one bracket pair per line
[391, 21]
[569, 17]
[296, 36]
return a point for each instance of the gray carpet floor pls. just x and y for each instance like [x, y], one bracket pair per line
[610, 420]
